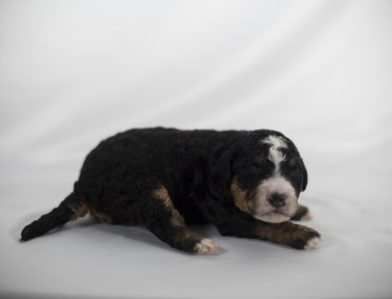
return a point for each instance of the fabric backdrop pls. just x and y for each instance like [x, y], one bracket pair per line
[75, 72]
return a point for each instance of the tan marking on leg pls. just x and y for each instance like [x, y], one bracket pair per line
[176, 218]
[279, 232]
[162, 194]
[186, 234]
[101, 217]
[286, 233]
[240, 196]
[183, 234]
[78, 210]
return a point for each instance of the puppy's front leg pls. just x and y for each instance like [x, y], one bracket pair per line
[302, 213]
[287, 233]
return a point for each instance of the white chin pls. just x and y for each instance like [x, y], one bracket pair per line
[272, 217]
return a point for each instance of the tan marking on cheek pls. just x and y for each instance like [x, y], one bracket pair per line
[252, 202]
[78, 210]
[240, 198]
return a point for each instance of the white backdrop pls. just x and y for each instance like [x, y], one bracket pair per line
[75, 72]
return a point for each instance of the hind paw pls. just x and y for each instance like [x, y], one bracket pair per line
[205, 246]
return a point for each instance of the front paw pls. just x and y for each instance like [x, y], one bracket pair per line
[205, 246]
[313, 243]
[305, 238]
[302, 213]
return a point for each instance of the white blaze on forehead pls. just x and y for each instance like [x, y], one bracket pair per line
[262, 208]
[275, 155]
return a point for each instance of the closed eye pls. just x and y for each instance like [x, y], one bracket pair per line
[292, 166]
[263, 166]
[295, 170]
[255, 168]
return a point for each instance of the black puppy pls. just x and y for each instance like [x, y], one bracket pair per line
[246, 183]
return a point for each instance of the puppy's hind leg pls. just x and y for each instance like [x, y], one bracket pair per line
[165, 222]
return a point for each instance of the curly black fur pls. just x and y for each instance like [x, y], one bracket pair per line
[124, 180]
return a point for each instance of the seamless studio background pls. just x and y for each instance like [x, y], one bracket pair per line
[75, 72]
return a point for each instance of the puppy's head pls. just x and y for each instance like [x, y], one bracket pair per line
[268, 175]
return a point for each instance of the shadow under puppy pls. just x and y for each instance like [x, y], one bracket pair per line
[246, 183]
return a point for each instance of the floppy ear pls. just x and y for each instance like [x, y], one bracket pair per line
[304, 176]
[304, 171]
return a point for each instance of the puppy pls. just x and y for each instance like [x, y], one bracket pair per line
[246, 183]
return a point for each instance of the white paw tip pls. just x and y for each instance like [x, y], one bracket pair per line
[206, 246]
[313, 243]
[307, 216]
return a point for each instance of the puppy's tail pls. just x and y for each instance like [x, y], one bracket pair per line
[71, 208]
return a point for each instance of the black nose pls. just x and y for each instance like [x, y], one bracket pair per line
[277, 200]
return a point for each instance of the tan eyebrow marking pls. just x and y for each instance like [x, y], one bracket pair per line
[292, 162]
[259, 159]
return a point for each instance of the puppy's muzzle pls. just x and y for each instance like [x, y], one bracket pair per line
[277, 200]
